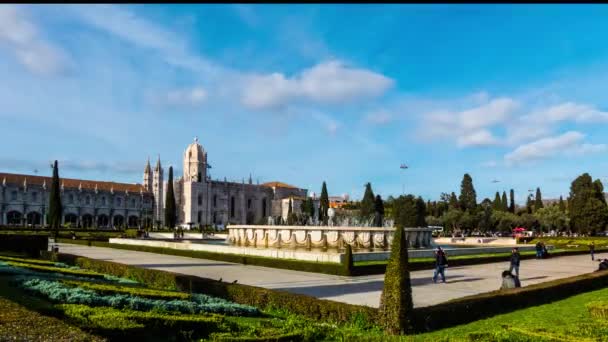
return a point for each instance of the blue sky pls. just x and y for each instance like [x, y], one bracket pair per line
[307, 93]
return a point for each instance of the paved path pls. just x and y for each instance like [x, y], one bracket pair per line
[461, 281]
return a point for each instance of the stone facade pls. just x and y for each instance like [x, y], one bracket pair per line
[24, 200]
[203, 201]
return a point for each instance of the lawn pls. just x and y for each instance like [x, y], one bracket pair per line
[564, 320]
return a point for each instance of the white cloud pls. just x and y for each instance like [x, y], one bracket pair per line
[191, 97]
[470, 127]
[489, 163]
[379, 117]
[42, 167]
[568, 111]
[568, 143]
[20, 35]
[328, 82]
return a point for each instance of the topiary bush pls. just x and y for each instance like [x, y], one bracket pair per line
[396, 305]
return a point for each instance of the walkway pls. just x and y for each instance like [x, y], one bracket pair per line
[461, 281]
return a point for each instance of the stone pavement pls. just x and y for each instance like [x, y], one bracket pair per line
[461, 281]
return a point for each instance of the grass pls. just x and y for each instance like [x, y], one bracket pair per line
[564, 320]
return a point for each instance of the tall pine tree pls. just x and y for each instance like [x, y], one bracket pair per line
[512, 201]
[497, 204]
[454, 201]
[562, 205]
[170, 208]
[538, 202]
[468, 196]
[324, 204]
[55, 208]
[505, 204]
[367, 204]
[379, 211]
[530, 204]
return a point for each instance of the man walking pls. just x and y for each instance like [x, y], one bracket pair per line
[592, 250]
[515, 261]
[440, 263]
[539, 250]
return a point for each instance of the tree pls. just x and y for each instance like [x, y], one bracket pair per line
[409, 211]
[367, 203]
[485, 219]
[538, 202]
[451, 219]
[512, 201]
[552, 218]
[290, 214]
[529, 205]
[379, 211]
[55, 208]
[396, 305]
[562, 205]
[324, 204]
[454, 202]
[468, 197]
[170, 209]
[497, 204]
[503, 200]
[587, 208]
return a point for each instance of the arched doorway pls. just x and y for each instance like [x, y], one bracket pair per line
[133, 221]
[87, 221]
[119, 221]
[14, 218]
[103, 221]
[34, 218]
[71, 219]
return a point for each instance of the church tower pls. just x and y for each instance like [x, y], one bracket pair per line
[148, 177]
[195, 163]
[157, 190]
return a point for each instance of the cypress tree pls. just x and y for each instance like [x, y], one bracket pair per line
[324, 204]
[290, 214]
[512, 203]
[530, 204]
[55, 208]
[468, 196]
[379, 211]
[367, 204]
[562, 205]
[170, 209]
[538, 202]
[311, 207]
[396, 305]
[497, 205]
[505, 204]
[454, 201]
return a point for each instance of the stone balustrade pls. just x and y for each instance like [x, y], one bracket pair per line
[324, 236]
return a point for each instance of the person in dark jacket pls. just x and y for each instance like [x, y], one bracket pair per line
[539, 250]
[592, 250]
[515, 261]
[509, 281]
[440, 263]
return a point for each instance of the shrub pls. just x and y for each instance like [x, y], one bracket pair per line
[30, 244]
[52, 269]
[396, 303]
[128, 290]
[61, 293]
[117, 324]
[317, 309]
[28, 261]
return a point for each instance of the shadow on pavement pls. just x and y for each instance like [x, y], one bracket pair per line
[177, 265]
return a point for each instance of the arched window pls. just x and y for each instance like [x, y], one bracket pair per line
[200, 216]
[214, 201]
[232, 206]
[133, 203]
[71, 199]
[264, 207]
[249, 203]
[200, 200]
[200, 177]
[103, 200]
[215, 217]
[190, 154]
[118, 201]
[34, 197]
[14, 195]
[88, 200]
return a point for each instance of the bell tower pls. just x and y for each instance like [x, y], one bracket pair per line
[195, 163]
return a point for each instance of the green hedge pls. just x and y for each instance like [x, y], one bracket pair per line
[308, 306]
[296, 265]
[476, 307]
[29, 244]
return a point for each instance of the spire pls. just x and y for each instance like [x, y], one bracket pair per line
[112, 189]
[25, 184]
[147, 170]
[62, 185]
[80, 186]
[196, 140]
[158, 167]
[4, 182]
[44, 184]
[96, 188]
[250, 181]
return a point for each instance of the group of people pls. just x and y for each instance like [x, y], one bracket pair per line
[541, 250]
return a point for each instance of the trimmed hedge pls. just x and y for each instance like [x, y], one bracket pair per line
[295, 265]
[29, 244]
[51, 269]
[476, 307]
[108, 289]
[308, 306]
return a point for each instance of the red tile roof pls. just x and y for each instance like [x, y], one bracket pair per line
[12, 178]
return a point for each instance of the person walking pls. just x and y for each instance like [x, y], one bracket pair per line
[515, 261]
[440, 263]
[539, 250]
[592, 250]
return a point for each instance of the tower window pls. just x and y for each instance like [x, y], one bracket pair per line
[200, 177]
[200, 200]
[214, 201]
[200, 216]
[249, 203]
[264, 207]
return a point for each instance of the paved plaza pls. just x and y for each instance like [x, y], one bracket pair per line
[461, 281]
